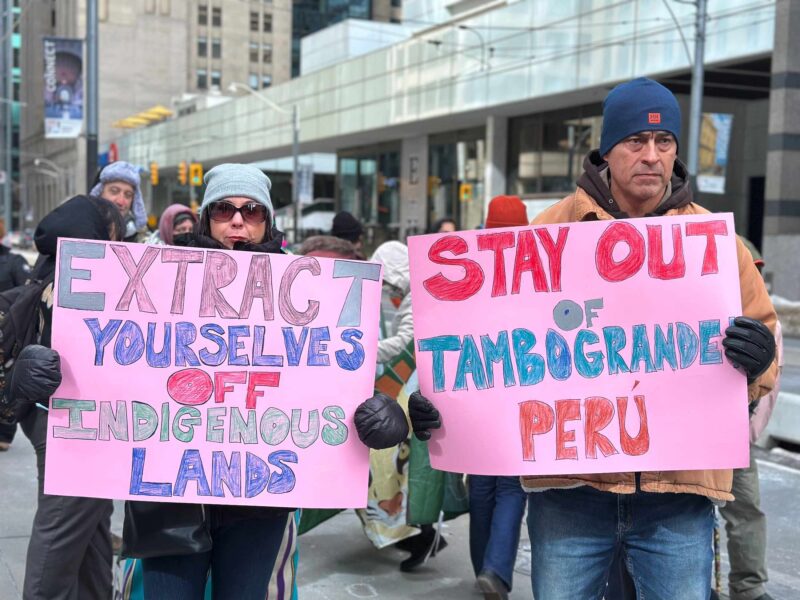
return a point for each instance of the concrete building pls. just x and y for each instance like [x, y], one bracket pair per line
[490, 98]
[152, 52]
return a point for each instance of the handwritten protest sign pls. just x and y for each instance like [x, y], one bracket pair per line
[211, 376]
[581, 348]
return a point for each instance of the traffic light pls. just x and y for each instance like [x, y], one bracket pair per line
[182, 173]
[196, 174]
[154, 173]
[465, 192]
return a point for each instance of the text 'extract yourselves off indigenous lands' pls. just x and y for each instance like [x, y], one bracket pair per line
[211, 376]
[581, 347]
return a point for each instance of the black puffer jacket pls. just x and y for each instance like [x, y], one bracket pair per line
[14, 269]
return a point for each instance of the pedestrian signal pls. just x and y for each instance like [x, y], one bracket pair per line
[196, 174]
[182, 174]
[154, 173]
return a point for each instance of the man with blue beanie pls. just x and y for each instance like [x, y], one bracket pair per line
[659, 524]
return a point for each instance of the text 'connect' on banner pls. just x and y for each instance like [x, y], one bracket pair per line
[211, 376]
[582, 347]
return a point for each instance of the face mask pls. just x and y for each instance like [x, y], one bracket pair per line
[182, 239]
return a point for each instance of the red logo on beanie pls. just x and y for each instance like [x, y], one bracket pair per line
[654, 118]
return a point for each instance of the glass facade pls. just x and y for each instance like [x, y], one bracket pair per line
[369, 188]
[546, 151]
[456, 177]
[309, 17]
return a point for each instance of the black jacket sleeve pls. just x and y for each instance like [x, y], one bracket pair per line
[20, 270]
[35, 377]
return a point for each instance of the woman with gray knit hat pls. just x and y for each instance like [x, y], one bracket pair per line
[238, 545]
[119, 183]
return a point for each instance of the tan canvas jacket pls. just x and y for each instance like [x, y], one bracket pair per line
[714, 484]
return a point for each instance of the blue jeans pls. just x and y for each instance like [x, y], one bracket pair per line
[664, 539]
[241, 560]
[496, 506]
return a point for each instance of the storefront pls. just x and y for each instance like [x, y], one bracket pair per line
[455, 177]
[369, 188]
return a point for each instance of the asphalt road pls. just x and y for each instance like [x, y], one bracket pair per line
[338, 563]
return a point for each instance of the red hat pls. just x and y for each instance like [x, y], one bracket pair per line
[506, 211]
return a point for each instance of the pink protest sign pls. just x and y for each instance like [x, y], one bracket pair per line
[581, 348]
[218, 377]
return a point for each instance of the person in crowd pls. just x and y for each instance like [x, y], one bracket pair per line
[745, 522]
[496, 504]
[347, 227]
[14, 271]
[446, 225]
[120, 183]
[236, 214]
[175, 227]
[328, 246]
[660, 522]
[69, 552]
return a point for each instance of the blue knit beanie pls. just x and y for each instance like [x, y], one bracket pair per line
[638, 105]
[232, 179]
[128, 173]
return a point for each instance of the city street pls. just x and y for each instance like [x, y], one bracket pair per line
[338, 563]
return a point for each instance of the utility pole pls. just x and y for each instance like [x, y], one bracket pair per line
[91, 92]
[8, 107]
[295, 173]
[696, 100]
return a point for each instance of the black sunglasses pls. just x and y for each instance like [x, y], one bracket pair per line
[252, 212]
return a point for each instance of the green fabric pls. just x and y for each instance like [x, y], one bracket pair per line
[311, 517]
[430, 491]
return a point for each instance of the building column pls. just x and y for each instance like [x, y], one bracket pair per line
[781, 246]
[413, 186]
[496, 159]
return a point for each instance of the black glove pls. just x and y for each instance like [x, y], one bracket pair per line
[35, 377]
[381, 422]
[750, 346]
[424, 416]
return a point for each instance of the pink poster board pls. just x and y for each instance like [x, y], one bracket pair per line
[538, 343]
[217, 377]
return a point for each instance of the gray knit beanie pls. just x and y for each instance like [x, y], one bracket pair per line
[233, 179]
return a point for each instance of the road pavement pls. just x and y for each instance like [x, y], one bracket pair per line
[338, 563]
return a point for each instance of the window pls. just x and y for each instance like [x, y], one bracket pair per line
[267, 52]
[254, 52]
[216, 79]
[202, 15]
[266, 81]
[202, 47]
[253, 21]
[202, 79]
[267, 23]
[397, 3]
[216, 17]
[252, 81]
[216, 48]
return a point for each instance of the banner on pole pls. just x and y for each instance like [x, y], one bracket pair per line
[715, 136]
[63, 87]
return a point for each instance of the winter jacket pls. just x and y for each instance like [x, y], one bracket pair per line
[14, 269]
[394, 258]
[592, 201]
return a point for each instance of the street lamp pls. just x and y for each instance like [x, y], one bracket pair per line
[295, 114]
